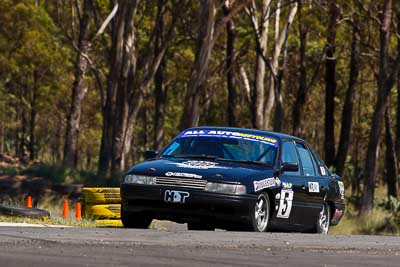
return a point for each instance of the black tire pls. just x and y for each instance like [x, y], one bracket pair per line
[260, 214]
[23, 212]
[323, 221]
[135, 220]
[200, 226]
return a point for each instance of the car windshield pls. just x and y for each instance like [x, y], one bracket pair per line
[224, 145]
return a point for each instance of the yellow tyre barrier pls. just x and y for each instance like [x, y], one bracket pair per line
[101, 195]
[103, 211]
[109, 223]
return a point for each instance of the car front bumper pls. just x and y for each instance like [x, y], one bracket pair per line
[199, 205]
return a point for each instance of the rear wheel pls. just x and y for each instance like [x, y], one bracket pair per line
[260, 213]
[135, 220]
[323, 221]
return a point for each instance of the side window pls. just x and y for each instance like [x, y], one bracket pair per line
[289, 154]
[322, 169]
[306, 160]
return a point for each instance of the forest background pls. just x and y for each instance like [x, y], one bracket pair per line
[86, 86]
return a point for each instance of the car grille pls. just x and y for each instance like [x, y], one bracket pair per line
[181, 182]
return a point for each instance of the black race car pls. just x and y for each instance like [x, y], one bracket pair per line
[234, 179]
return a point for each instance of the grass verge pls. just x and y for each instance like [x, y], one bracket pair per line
[50, 221]
[383, 220]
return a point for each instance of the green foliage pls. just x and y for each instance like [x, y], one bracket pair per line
[379, 222]
[383, 220]
[56, 174]
[394, 208]
[39, 37]
[9, 171]
[60, 175]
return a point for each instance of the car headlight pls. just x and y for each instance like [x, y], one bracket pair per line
[236, 189]
[139, 179]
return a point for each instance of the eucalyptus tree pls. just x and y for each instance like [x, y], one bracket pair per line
[79, 88]
[209, 30]
[130, 76]
[386, 78]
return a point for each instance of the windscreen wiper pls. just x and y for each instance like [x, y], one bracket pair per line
[246, 161]
[167, 156]
[196, 156]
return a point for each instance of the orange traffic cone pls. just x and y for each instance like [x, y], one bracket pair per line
[65, 211]
[29, 202]
[78, 211]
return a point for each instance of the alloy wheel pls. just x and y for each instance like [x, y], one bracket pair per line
[261, 212]
[323, 220]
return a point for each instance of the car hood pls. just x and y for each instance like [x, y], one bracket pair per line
[203, 169]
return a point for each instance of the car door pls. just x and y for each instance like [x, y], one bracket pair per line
[313, 188]
[289, 207]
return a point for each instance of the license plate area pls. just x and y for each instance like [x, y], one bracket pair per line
[176, 196]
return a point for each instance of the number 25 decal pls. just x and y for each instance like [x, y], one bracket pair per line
[285, 204]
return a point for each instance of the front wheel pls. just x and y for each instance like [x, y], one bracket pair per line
[260, 213]
[323, 221]
[135, 220]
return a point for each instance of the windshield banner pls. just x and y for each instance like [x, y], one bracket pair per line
[228, 134]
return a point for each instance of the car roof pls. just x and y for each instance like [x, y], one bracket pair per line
[249, 131]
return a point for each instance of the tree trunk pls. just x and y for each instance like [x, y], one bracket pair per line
[280, 44]
[246, 89]
[32, 141]
[57, 145]
[79, 90]
[347, 114]
[206, 39]
[125, 92]
[126, 78]
[390, 159]
[273, 80]
[230, 65]
[397, 143]
[302, 93]
[120, 129]
[330, 84]
[198, 77]
[1, 138]
[21, 135]
[160, 89]
[279, 112]
[385, 85]
[131, 90]
[88, 159]
[160, 108]
[146, 129]
[22, 138]
[109, 110]
[261, 29]
[355, 181]
[105, 144]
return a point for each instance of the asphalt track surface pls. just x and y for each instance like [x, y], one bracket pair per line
[32, 246]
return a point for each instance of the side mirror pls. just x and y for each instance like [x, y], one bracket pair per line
[335, 176]
[150, 154]
[290, 167]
